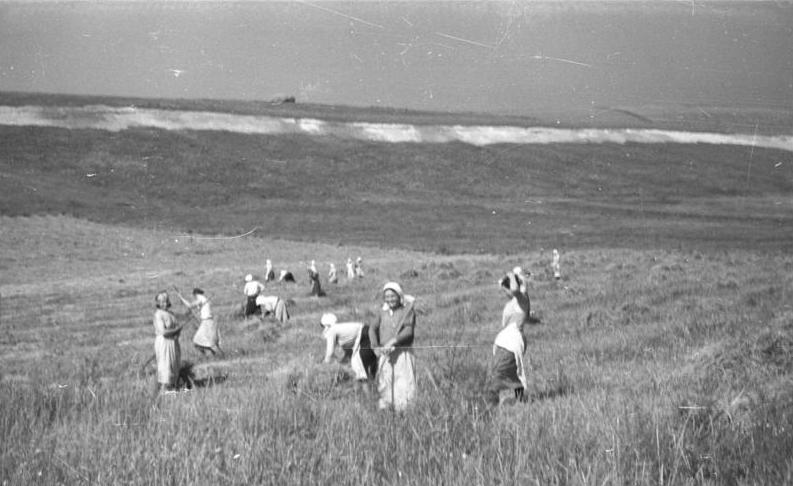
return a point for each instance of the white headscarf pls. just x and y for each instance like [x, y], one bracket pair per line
[328, 319]
[397, 289]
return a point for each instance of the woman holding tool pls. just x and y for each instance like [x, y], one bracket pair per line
[207, 337]
[391, 335]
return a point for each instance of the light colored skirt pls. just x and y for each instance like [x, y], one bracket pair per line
[168, 356]
[396, 379]
[281, 313]
[207, 334]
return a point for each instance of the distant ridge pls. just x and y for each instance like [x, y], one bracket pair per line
[115, 119]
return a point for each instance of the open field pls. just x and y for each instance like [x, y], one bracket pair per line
[663, 356]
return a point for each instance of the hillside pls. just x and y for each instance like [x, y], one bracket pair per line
[440, 197]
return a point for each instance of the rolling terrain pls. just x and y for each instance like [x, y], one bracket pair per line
[663, 355]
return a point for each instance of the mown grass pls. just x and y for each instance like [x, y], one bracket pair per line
[648, 367]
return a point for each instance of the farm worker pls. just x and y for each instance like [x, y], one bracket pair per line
[251, 290]
[272, 304]
[313, 277]
[353, 339]
[359, 267]
[286, 276]
[207, 338]
[269, 273]
[332, 277]
[557, 271]
[350, 271]
[166, 343]
[391, 335]
[507, 370]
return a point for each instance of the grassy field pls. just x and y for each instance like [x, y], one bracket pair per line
[663, 356]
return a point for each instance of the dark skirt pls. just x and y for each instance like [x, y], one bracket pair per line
[367, 354]
[250, 306]
[503, 375]
[368, 358]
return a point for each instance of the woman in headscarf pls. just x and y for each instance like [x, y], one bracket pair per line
[332, 276]
[353, 339]
[313, 277]
[391, 335]
[358, 267]
[350, 271]
[166, 343]
[507, 370]
[207, 338]
[557, 270]
[252, 289]
[273, 305]
[269, 273]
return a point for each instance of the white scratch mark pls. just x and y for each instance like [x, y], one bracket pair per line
[560, 59]
[467, 41]
[341, 14]
[177, 72]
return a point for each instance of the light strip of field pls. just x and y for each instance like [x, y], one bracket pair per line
[116, 119]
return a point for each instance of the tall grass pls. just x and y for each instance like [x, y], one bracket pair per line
[666, 368]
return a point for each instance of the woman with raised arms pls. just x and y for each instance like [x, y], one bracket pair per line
[507, 370]
[207, 338]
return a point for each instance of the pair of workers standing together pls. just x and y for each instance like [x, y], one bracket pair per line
[382, 351]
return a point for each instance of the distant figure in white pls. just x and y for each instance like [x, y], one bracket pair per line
[557, 271]
[353, 339]
[273, 305]
[166, 344]
[391, 335]
[507, 370]
[332, 277]
[269, 273]
[207, 338]
[251, 290]
[359, 267]
[350, 271]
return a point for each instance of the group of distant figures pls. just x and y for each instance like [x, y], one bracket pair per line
[258, 303]
[380, 353]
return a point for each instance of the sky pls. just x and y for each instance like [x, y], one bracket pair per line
[505, 57]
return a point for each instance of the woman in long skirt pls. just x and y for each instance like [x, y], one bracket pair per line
[207, 338]
[353, 339]
[507, 369]
[166, 343]
[273, 305]
[391, 335]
